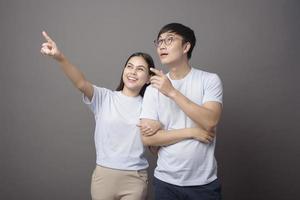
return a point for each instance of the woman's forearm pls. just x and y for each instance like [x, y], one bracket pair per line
[76, 76]
[165, 137]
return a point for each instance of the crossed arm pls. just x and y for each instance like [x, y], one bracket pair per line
[206, 116]
[168, 137]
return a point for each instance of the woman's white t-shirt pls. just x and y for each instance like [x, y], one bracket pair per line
[117, 137]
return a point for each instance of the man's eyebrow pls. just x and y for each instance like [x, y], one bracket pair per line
[169, 34]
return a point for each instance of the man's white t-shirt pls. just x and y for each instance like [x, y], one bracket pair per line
[117, 138]
[188, 162]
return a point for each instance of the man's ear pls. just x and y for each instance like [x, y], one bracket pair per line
[186, 47]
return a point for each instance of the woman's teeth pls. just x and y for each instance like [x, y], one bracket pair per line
[132, 79]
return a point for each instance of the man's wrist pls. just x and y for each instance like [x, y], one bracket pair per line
[190, 133]
[173, 93]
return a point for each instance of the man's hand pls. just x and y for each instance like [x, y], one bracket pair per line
[202, 135]
[149, 127]
[161, 82]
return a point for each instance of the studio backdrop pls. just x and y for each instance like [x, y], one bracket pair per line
[46, 132]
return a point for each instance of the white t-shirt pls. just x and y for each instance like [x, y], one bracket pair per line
[188, 162]
[117, 138]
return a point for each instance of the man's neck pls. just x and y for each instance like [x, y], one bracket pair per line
[179, 70]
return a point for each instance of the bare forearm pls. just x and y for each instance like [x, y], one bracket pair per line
[76, 76]
[204, 117]
[72, 72]
[50, 48]
[167, 137]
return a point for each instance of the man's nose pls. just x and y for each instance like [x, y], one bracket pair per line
[162, 46]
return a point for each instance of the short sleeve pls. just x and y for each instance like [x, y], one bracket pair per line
[98, 98]
[150, 104]
[213, 89]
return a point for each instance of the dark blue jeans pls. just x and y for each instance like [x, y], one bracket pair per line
[166, 191]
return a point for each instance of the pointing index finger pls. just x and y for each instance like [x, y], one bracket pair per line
[157, 72]
[46, 36]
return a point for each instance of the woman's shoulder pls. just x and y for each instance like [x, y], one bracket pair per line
[103, 91]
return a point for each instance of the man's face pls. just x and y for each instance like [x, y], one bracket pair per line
[170, 48]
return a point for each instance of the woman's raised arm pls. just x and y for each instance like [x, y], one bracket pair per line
[49, 48]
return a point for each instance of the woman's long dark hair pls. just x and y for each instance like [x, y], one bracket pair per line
[150, 64]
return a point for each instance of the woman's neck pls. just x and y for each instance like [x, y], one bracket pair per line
[129, 93]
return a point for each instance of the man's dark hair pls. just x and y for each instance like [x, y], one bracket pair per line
[185, 32]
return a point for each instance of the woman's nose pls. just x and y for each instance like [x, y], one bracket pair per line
[133, 71]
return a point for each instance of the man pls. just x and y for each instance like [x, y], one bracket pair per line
[184, 98]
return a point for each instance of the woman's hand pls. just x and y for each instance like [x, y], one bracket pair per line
[49, 48]
[149, 127]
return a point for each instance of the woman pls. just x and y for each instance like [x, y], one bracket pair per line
[121, 165]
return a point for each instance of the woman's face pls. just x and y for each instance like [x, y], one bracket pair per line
[135, 74]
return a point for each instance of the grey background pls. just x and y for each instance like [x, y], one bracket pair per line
[46, 141]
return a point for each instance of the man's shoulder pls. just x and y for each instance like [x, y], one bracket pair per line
[204, 75]
[151, 89]
[151, 92]
[202, 72]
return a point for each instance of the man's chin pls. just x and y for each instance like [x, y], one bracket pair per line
[164, 61]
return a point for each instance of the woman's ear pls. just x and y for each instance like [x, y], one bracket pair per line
[186, 47]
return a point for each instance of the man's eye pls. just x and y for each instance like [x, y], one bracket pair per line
[169, 39]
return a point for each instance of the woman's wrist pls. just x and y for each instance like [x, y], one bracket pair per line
[60, 57]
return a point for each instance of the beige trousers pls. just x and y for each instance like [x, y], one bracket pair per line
[114, 184]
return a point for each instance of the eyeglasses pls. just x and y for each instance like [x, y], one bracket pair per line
[167, 41]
